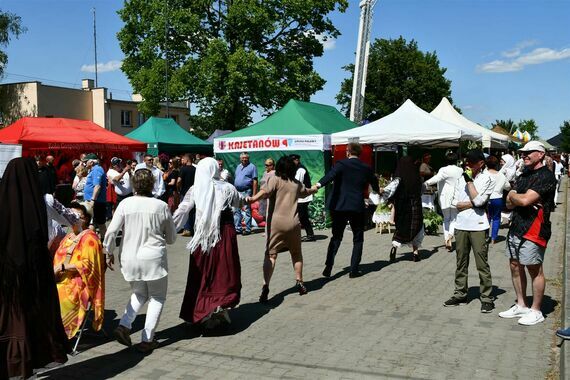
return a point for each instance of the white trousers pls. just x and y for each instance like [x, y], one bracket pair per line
[449, 217]
[155, 293]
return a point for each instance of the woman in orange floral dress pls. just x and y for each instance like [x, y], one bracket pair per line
[78, 265]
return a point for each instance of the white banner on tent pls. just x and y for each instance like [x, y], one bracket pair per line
[7, 153]
[260, 143]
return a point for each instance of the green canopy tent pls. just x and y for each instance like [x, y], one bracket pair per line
[165, 135]
[301, 128]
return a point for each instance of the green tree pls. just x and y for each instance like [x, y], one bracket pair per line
[229, 58]
[565, 132]
[10, 26]
[530, 127]
[397, 70]
[508, 125]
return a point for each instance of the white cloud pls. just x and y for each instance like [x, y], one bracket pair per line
[499, 66]
[517, 50]
[542, 55]
[535, 57]
[102, 67]
[328, 43]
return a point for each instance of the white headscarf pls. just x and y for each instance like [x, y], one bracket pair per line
[508, 168]
[211, 197]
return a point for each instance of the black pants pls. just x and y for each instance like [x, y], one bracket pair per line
[339, 220]
[303, 210]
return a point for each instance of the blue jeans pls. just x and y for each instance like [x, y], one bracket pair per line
[189, 226]
[495, 208]
[238, 214]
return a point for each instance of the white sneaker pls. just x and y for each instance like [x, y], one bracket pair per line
[515, 311]
[531, 318]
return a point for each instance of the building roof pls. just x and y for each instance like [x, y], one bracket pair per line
[555, 140]
[298, 118]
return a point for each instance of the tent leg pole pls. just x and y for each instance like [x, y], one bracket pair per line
[374, 151]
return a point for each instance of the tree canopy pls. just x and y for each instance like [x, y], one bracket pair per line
[565, 135]
[397, 71]
[229, 58]
[10, 26]
[510, 126]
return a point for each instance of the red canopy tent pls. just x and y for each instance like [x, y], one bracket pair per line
[57, 134]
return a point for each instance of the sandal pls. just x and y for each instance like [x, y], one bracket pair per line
[264, 294]
[301, 288]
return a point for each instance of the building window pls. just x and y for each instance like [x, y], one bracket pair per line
[174, 117]
[142, 118]
[126, 118]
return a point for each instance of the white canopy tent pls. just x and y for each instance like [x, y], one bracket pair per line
[408, 125]
[446, 112]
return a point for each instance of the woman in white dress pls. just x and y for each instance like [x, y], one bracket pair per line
[445, 179]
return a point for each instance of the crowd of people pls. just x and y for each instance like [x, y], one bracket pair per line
[63, 274]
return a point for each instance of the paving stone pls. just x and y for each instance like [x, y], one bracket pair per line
[389, 323]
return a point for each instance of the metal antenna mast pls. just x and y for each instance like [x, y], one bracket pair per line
[95, 41]
[361, 63]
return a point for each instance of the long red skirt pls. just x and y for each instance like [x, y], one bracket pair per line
[214, 279]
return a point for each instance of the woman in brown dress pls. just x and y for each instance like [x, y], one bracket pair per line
[283, 227]
[31, 330]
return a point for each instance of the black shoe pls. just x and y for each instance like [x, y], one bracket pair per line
[308, 238]
[393, 254]
[264, 294]
[487, 307]
[245, 233]
[355, 274]
[327, 271]
[417, 258]
[454, 301]
[301, 288]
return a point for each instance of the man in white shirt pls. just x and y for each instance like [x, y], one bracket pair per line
[159, 188]
[472, 193]
[120, 178]
[224, 173]
[302, 175]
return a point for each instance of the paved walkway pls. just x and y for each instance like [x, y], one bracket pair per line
[390, 323]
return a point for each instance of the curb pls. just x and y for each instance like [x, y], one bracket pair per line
[565, 312]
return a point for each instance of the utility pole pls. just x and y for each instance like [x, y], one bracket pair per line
[166, 53]
[361, 64]
[95, 42]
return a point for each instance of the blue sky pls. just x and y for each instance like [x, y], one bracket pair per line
[505, 58]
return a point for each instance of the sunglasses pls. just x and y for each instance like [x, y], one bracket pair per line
[528, 152]
[268, 164]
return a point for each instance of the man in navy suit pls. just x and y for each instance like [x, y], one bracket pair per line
[350, 178]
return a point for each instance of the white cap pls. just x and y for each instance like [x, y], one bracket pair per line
[533, 145]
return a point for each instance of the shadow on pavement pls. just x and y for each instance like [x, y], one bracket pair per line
[409, 255]
[473, 293]
[91, 339]
[101, 367]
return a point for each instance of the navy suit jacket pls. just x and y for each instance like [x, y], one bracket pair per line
[350, 178]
